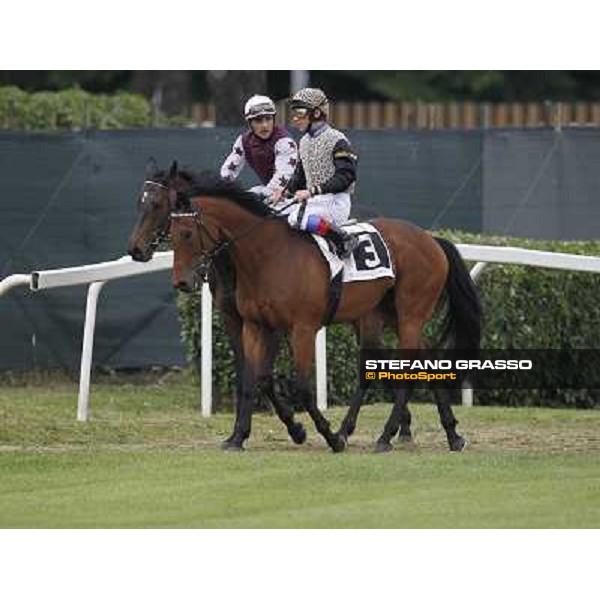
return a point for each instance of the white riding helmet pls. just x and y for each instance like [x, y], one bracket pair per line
[259, 106]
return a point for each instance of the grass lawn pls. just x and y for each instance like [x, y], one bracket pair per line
[147, 459]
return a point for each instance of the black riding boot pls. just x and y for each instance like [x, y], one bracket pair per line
[345, 244]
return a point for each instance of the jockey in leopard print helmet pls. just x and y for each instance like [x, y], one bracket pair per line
[313, 101]
[325, 178]
[267, 148]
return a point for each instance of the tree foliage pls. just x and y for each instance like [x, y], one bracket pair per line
[71, 109]
[181, 86]
[494, 86]
[230, 90]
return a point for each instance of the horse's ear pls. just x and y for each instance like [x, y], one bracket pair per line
[151, 168]
[173, 170]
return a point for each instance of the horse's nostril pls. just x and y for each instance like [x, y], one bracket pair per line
[137, 254]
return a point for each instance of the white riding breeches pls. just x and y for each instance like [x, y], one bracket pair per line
[335, 208]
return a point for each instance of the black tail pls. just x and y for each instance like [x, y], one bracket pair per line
[464, 318]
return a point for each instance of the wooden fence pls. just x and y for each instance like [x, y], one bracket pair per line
[439, 115]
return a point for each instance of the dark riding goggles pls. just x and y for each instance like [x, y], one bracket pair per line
[299, 112]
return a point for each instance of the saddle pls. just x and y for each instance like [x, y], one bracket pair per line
[368, 261]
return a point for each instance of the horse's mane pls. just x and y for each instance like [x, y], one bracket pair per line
[209, 183]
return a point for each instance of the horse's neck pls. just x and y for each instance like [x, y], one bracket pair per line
[253, 238]
[224, 269]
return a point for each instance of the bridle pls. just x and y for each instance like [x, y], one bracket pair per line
[162, 235]
[202, 266]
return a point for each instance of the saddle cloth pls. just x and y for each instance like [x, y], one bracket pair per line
[370, 260]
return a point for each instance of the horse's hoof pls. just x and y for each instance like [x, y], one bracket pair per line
[338, 444]
[231, 446]
[381, 447]
[458, 445]
[297, 433]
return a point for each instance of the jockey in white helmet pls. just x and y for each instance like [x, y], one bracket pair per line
[324, 180]
[267, 148]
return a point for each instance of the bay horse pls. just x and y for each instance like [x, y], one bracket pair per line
[162, 192]
[282, 284]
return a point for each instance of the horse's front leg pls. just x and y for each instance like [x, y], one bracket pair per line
[232, 322]
[254, 347]
[303, 347]
[266, 385]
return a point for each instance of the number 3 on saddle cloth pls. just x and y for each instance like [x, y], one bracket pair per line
[370, 260]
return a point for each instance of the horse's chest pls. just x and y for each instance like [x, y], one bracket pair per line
[259, 309]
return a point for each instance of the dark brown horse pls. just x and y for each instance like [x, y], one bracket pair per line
[162, 192]
[282, 285]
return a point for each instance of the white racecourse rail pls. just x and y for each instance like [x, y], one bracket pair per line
[97, 275]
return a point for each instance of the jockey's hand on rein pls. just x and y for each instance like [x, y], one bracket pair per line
[302, 195]
[276, 197]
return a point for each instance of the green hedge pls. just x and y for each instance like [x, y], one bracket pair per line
[71, 109]
[525, 307]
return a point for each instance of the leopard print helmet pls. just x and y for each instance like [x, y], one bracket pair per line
[311, 98]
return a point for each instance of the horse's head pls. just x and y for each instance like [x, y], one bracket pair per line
[161, 193]
[188, 250]
[197, 242]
